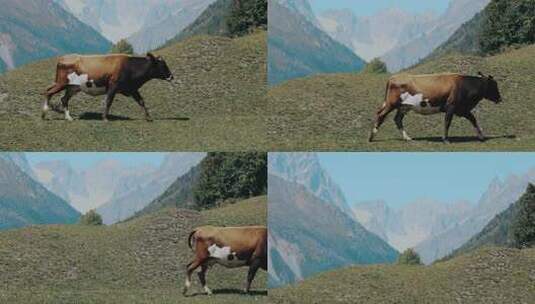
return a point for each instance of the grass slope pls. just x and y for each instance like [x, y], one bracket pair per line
[335, 112]
[489, 275]
[139, 261]
[215, 105]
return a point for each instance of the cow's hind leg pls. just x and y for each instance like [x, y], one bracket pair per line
[380, 119]
[202, 279]
[473, 120]
[253, 268]
[69, 93]
[399, 123]
[190, 269]
[50, 92]
[450, 111]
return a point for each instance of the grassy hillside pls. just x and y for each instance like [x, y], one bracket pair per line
[140, 261]
[216, 103]
[330, 112]
[489, 275]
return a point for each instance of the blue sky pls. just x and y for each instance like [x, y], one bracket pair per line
[367, 7]
[400, 178]
[85, 160]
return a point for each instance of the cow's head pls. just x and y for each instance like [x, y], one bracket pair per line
[491, 92]
[160, 69]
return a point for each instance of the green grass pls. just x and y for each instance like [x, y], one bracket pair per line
[489, 275]
[138, 261]
[336, 112]
[216, 104]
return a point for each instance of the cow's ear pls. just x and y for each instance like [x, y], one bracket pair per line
[151, 57]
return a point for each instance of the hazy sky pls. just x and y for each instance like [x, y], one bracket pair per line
[400, 178]
[84, 160]
[367, 7]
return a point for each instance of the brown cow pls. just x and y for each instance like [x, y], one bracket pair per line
[228, 246]
[452, 94]
[105, 75]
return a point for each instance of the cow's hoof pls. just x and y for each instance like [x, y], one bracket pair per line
[208, 291]
[446, 142]
[482, 139]
[184, 291]
[149, 119]
[43, 116]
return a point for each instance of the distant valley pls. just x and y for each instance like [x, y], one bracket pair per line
[436, 229]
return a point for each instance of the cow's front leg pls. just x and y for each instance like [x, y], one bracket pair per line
[202, 279]
[380, 119]
[65, 102]
[473, 120]
[141, 103]
[108, 101]
[253, 268]
[399, 123]
[450, 111]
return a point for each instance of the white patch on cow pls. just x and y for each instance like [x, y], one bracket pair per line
[68, 115]
[45, 106]
[405, 135]
[224, 256]
[375, 130]
[207, 290]
[86, 85]
[188, 283]
[418, 104]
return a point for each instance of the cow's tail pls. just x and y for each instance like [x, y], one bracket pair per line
[190, 238]
[386, 98]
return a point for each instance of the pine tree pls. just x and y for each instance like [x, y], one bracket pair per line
[409, 257]
[524, 225]
[91, 218]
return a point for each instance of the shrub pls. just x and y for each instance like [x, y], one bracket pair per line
[122, 47]
[230, 175]
[409, 257]
[376, 66]
[247, 15]
[91, 218]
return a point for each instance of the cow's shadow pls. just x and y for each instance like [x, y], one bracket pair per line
[98, 116]
[463, 139]
[112, 117]
[232, 291]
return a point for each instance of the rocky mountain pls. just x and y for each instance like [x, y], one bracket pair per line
[420, 46]
[19, 159]
[229, 18]
[500, 230]
[498, 197]
[372, 36]
[33, 30]
[400, 38]
[305, 169]
[298, 48]
[123, 205]
[179, 194]
[146, 24]
[213, 21]
[182, 14]
[302, 8]
[480, 35]
[89, 188]
[412, 223]
[309, 235]
[23, 201]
